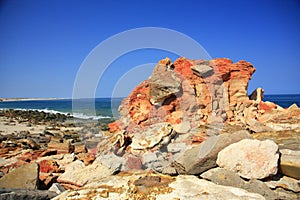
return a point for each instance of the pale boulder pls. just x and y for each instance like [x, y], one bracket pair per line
[251, 159]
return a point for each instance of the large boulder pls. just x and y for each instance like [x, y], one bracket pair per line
[78, 174]
[250, 158]
[24, 177]
[203, 156]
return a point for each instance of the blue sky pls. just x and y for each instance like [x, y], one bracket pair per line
[43, 43]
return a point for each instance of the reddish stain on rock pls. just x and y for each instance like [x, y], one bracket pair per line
[267, 106]
[133, 162]
[48, 166]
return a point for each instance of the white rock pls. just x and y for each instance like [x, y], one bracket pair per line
[250, 158]
[78, 174]
[156, 134]
[183, 127]
[57, 188]
[184, 187]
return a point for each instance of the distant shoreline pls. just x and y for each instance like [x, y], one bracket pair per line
[40, 99]
[28, 99]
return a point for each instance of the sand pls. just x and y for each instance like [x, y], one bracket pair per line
[8, 126]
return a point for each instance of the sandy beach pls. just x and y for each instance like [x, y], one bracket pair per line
[9, 126]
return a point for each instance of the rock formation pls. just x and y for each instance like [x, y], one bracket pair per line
[175, 129]
[182, 104]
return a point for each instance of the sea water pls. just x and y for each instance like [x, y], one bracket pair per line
[107, 107]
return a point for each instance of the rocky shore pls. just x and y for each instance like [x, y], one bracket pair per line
[190, 131]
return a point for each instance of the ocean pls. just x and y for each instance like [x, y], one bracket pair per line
[108, 107]
[104, 107]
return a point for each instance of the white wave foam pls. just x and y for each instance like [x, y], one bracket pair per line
[75, 115]
[84, 116]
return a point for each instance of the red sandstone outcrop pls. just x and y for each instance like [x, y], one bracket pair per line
[184, 105]
[194, 93]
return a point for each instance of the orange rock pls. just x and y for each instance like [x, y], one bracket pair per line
[48, 166]
[267, 106]
[220, 93]
[87, 158]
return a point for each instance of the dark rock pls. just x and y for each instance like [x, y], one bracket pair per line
[46, 180]
[163, 83]
[23, 194]
[222, 176]
[257, 186]
[202, 70]
[257, 95]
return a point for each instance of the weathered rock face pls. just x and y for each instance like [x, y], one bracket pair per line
[152, 136]
[250, 158]
[189, 90]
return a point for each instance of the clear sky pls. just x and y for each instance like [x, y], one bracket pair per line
[43, 43]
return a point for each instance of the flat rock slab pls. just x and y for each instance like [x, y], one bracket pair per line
[225, 177]
[78, 174]
[24, 177]
[202, 70]
[286, 139]
[193, 188]
[25, 194]
[285, 182]
[251, 159]
[145, 185]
